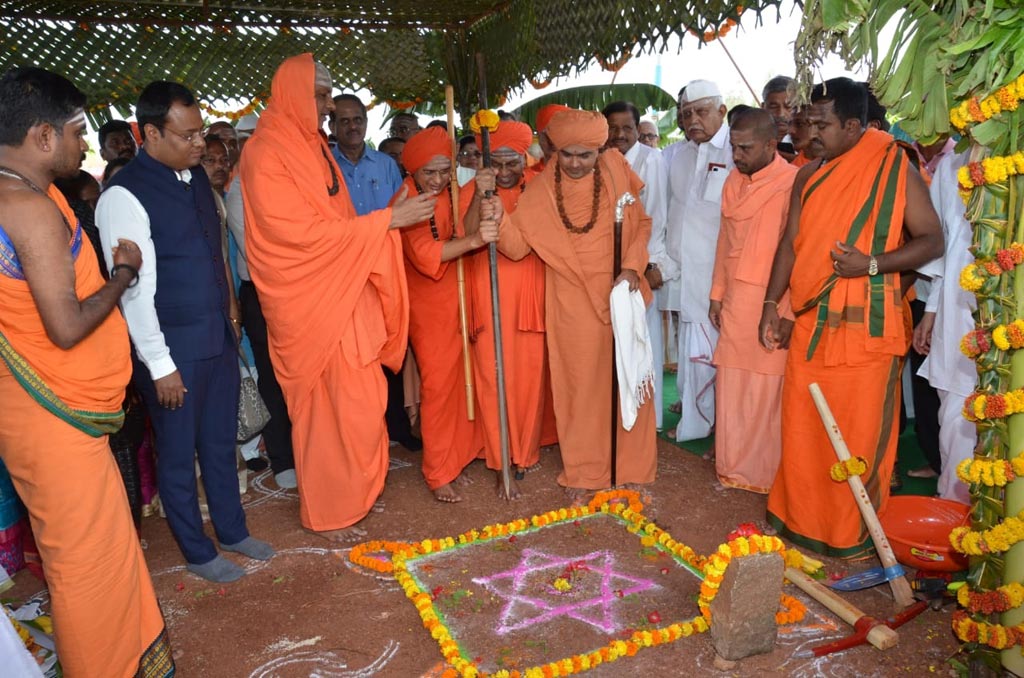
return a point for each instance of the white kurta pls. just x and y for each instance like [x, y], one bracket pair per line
[696, 174]
[953, 374]
[649, 166]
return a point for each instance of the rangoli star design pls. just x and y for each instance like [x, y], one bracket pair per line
[523, 610]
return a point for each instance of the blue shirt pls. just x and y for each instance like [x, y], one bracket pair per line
[372, 181]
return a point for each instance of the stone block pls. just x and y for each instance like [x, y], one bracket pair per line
[743, 611]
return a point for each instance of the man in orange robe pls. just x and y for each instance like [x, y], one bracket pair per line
[521, 286]
[566, 217]
[748, 389]
[841, 258]
[450, 440]
[332, 288]
[64, 365]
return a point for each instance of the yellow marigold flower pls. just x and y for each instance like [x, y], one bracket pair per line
[999, 338]
[484, 119]
[970, 280]
[979, 407]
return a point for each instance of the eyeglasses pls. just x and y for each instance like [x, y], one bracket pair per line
[648, 137]
[190, 138]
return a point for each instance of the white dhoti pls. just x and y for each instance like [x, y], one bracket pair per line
[957, 439]
[695, 380]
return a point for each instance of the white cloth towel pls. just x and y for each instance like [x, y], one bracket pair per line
[634, 362]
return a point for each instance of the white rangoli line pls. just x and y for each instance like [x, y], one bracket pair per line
[326, 664]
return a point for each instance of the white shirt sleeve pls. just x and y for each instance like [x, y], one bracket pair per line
[119, 215]
[236, 224]
[655, 200]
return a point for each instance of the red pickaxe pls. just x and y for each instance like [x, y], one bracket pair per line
[866, 629]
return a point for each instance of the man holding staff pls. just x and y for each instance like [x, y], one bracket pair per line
[450, 440]
[566, 217]
[522, 313]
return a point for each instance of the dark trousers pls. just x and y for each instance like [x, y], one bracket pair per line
[277, 435]
[926, 401]
[395, 415]
[205, 425]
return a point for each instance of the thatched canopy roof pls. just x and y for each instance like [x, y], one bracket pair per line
[402, 51]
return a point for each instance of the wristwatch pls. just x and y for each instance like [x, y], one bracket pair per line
[873, 266]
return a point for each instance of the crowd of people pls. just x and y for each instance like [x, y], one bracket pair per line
[785, 242]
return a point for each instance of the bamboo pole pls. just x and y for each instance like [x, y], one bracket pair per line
[460, 274]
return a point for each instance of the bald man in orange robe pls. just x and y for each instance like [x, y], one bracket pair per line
[521, 286]
[332, 288]
[566, 217]
[450, 440]
[748, 389]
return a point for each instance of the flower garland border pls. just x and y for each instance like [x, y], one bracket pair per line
[992, 170]
[973, 276]
[233, 116]
[994, 635]
[981, 406]
[1004, 598]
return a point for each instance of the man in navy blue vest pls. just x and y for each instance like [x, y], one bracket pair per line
[179, 320]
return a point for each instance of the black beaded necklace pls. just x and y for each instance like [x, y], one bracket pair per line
[333, 189]
[569, 226]
[433, 221]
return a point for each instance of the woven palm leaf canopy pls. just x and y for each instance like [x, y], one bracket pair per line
[402, 51]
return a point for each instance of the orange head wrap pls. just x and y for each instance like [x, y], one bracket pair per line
[510, 134]
[423, 146]
[582, 128]
[545, 114]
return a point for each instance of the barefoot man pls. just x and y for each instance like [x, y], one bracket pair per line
[332, 287]
[450, 440]
[522, 314]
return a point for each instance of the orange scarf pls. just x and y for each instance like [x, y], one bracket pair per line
[858, 198]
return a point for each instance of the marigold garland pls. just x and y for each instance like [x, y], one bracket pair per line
[484, 119]
[792, 612]
[992, 170]
[358, 554]
[993, 473]
[994, 635]
[842, 470]
[622, 503]
[996, 539]
[1004, 598]
[974, 275]
[975, 343]
[974, 110]
[979, 406]
[718, 562]
[233, 116]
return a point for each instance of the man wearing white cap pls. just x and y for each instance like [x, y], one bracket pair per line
[696, 175]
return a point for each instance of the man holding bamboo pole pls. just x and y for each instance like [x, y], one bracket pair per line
[522, 313]
[855, 222]
[450, 440]
[566, 217]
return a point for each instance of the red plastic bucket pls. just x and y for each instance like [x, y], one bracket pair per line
[918, 529]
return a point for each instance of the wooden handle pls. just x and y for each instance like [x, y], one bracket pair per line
[880, 636]
[900, 587]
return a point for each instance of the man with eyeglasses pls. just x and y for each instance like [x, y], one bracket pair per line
[649, 134]
[180, 321]
[522, 314]
[468, 160]
[696, 173]
[623, 124]
[404, 125]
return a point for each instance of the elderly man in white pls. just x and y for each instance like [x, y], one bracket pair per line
[623, 134]
[696, 174]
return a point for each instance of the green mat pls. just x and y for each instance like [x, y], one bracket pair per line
[908, 457]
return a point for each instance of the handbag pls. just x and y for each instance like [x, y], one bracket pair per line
[253, 414]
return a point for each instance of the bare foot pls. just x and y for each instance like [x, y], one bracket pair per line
[676, 407]
[577, 495]
[513, 488]
[447, 494]
[463, 479]
[378, 506]
[709, 455]
[345, 535]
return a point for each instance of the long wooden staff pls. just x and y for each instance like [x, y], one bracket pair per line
[460, 273]
[499, 350]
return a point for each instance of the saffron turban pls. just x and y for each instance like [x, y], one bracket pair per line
[578, 128]
[545, 114]
[510, 134]
[424, 146]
